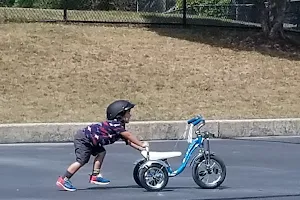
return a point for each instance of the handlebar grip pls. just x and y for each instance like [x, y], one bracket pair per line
[192, 120]
[197, 122]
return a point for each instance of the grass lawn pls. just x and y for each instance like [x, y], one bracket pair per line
[69, 73]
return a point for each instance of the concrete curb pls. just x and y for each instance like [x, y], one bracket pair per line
[152, 130]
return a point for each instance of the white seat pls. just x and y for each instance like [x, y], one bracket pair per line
[154, 155]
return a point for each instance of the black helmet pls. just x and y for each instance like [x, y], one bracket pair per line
[117, 108]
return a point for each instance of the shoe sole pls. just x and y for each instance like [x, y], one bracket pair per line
[61, 185]
[98, 183]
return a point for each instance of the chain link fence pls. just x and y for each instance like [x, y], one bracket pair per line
[182, 12]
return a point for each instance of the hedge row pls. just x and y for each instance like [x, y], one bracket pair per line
[126, 5]
[72, 4]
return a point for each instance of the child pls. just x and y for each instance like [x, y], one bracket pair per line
[92, 139]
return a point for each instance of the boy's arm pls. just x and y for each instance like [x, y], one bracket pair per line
[132, 140]
[135, 146]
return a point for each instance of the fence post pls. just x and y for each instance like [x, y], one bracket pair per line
[184, 12]
[65, 10]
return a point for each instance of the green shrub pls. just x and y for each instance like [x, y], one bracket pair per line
[48, 4]
[7, 3]
[207, 8]
[24, 3]
[126, 5]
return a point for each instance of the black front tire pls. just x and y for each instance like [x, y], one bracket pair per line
[197, 177]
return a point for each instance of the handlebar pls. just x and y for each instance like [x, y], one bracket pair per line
[196, 120]
[148, 154]
[206, 134]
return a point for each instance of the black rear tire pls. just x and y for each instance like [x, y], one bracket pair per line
[164, 173]
[136, 173]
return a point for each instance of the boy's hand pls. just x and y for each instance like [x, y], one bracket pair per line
[137, 147]
[134, 141]
[145, 144]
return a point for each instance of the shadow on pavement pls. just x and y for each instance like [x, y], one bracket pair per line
[167, 189]
[290, 141]
[254, 197]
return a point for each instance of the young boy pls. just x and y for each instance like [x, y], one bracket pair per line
[92, 139]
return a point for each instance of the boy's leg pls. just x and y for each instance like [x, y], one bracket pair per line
[64, 181]
[83, 152]
[96, 176]
[98, 162]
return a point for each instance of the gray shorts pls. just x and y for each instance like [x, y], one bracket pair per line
[84, 149]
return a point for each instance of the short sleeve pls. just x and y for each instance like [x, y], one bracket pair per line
[117, 129]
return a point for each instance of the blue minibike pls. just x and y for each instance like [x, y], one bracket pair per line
[152, 172]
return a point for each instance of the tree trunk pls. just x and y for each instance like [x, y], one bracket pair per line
[272, 17]
[278, 12]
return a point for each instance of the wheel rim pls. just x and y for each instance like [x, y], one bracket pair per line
[154, 177]
[211, 174]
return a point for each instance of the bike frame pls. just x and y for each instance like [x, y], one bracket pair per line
[197, 142]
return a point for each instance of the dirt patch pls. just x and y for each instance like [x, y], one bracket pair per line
[70, 73]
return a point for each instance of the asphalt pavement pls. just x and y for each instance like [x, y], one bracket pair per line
[267, 169]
